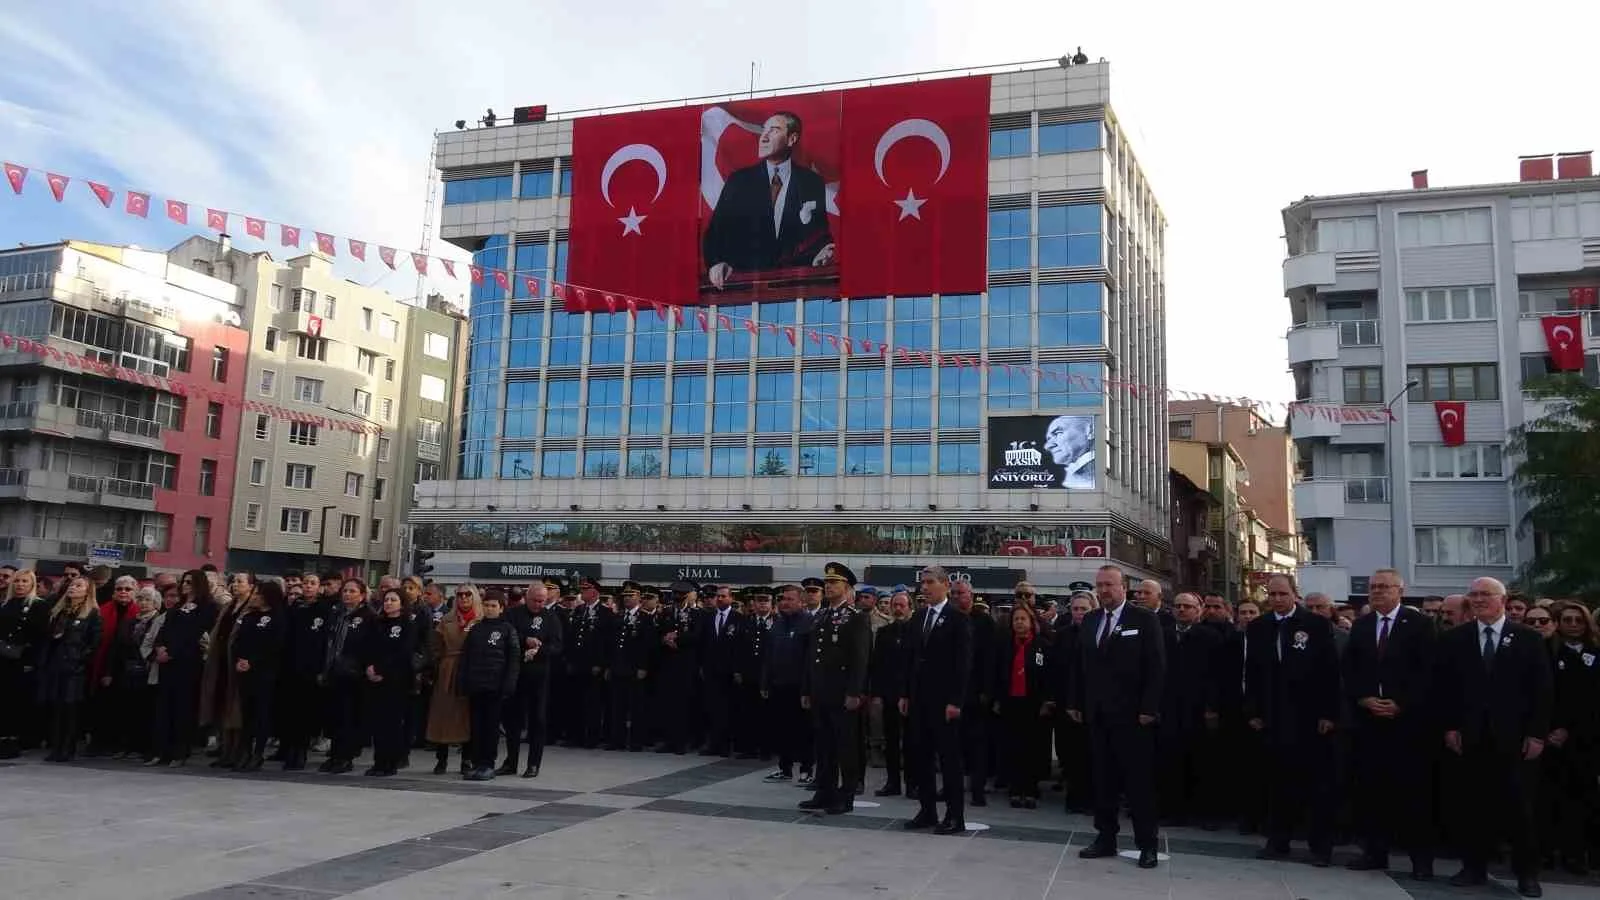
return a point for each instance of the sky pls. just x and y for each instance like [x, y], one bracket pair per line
[322, 114]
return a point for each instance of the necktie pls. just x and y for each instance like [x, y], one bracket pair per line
[1383, 633]
[777, 188]
[1281, 631]
[1488, 648]
[722, 620]
[928, 620]
[1105, 630]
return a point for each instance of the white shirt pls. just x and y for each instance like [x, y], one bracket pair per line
[1499, 626]
[1114, 617]
[934, 612]
[783, 170]
[1393, 618]
[1277, 619]
[722, 618]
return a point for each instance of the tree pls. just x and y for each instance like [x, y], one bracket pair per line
[1559, 476]
[772, 465]
[646, 465]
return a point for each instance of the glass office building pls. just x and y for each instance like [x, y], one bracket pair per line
[616, 441]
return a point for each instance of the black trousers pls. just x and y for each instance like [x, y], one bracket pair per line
[526, 716]
[838, 736]
[717, 689]
[1122, 757]
[1072, 747]
[934, 738]
[791, 726]
[975, 728]
[1023, 737]
[256, 692]
[1569, 799]
[630, 709]
[752, 731]
[1496, 798]
[127, 728]
[65, 719]
[894, 738]
[348, 726]
[1185, 752]
[586, 709]
[177, 713]
[300, 712]
[484, 710]
[1243, 749]
[673, 706]
[385, 707]
[1300, 787]
[1394, 788]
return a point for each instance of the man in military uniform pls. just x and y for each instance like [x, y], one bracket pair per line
[630, 657]
[678, 629]
[539, 628]
[835, 681]
[585, 657]
[752, 730]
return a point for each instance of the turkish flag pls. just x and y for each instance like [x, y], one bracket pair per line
[387, 255]
[216, 220]
[1563, 335]
[58, 184]
[420, 263]
[178, 211]
[16, 175]
[138, 204]
[102, 193]
[476, 273]
[1015, 547]
[449, 267]
[325, 244]
[1452, 421]
[289, 235]
[1583, 296]
[915, 194]
[256, 228]
[635, 205]
[1088, 549]
[358, 249]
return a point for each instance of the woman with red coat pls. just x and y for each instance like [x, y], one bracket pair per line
[1023, 703]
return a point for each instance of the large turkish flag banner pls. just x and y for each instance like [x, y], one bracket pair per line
[635, 180]
[1563, 337]
[1452, 416]
[914, 199]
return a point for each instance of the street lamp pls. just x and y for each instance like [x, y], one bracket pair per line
[1388, 452]
[372, 503]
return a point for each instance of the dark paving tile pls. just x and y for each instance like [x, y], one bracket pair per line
[761, 814]
[1026, 833]
[854, 823]
[686, 807]
[257, 891]
[472, 837]
[689, 779]
[367, 868]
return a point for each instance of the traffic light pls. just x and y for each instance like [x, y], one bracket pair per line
[421, 562]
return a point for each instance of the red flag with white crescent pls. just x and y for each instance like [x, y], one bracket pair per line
[1452, 415]
[178, 211]
[531, 285]
[502, 280]
[256, 228]
[1563, 337]
[387, 255]
[58, 184]
[326, 244]
[420, 263]
[476, 274]
[1084, 548]
[216, 220]
[289, 235]
[16, 175]
[102, 193]
[358, 249]
[449, 267]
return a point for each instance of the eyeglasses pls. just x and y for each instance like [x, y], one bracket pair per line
[463, 596]
[1025, 596]
[1537, 620]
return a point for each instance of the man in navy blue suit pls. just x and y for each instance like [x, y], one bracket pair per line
[770, 215]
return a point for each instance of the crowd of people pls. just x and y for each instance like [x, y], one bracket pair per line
[1457, 725]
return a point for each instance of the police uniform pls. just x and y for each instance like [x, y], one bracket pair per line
[585, 659]
[753, 734]
[835, 676]
[629, 662]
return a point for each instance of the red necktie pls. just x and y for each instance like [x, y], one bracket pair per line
[777, 188]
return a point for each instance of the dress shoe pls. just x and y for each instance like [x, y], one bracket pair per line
[484, 774]
[507, 768]
[1528, 886]
[327, 765]
[253, 764]
[888, 790]
[1469, 878]
[340, 766]
[775, 777]
[813, 804]
[950, 826]
[154, 761]
[1422, 871]
[1148, 859]
[1016, 802]
[1098, 850]
[919, 822]
[532, 771]
[178, 763]
[980, 800]
[375, 770]
[840, 808]
[440, 767]
[1321, 860]
[1366, 863]
[1273, 851]
[1029, 803]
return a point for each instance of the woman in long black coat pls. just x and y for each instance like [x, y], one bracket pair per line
[388, 668]
[1024, 665]
[132, 696]
[178, 651]
[256, 651]
[23, 618]
[68, 646]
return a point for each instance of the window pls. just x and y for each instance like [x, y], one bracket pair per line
[774, 402]
[730, 404]
[1065, 137]
[435, 345]
[959, 325]
[303, 434]
[958, 458]
[566, 339]
[516, 464]
[527, 340]
[307, 347]
[361, 402]
[163, 470]
[908, 459]
[688, 404]
[1476, 461]
[426, 471]
[213, 420]
[1009, 324]
[819, 459]
[689, 343]
[302, 300]
[644, 463]
[819, 401]
[360, 443]
[1565, 214]
[913, 397]
[269, 383]
[156, 532]
[863, 400]
[1460, 545]
[604, 406]
[386, 409]
[1010, 390]
[1467, 382]
[608, 336]
[646, 404]
[684, 462]
[1009, 232]
[1181, 429]
[275, 298]
[867, 318]
[208, 478]
[295, 520]
[352, 484]
[776, 344]
[388, 328]
[258, 471]
[269, 342]
[383, 449]
[1363, 385]
[522, 409]
[327, 307]
[1456, 226]
[821, 315]
[252, 517]
[202, 535]
[1070, 314]
[561, 407]
[1461, 304]
[375, 531]
[431, 387]
[307, 390]
[388, 370]
[263, 428]
[477, 190]
[219, 363]
[733, 342]
[601, 464]
[562, 250]
[913, 322]
[729, 462]
[1008, 143]
[349, 527]
[863, 459]
[566, 182]
[366, 361]
[558, 464]
[1070, 235]
[1352, 233]
[169, 411]
[366, 319]
[299, 475]
[958, 396]
[539, 182]
[649, 339]
[1538, 365]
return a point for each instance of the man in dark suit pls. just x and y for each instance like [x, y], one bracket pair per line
[771, 215]
[939, 668]
[1494, 689]
[1292, 698]
[539, 628]
[1119, 671]
[835, 684]
[975, 711]
[721, 633]
[1388, 667]
[885, 681]
[1187, 734]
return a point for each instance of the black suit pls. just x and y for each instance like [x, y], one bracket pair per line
[1186, 738]
[1494, 706]
[1291, 685]
[938, 674]
[530, 706]
[718, 662]
[742, 233]
[1393, 757]
[1120, 675]
[885, 681]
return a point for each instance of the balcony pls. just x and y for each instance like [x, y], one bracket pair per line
[1323, 577]
[1313, 342]
[1359, 333]
[120, 427]
[1308, 270]
[307, 323]
[66, 487]
[1317, 419]
[13, 482]
[1320, 498]
[18, 414]
[27, 548]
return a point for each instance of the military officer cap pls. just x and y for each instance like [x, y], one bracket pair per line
[650, 595]
[708, 590]
[838, 572]
[683, 587]
[811, 583]
[553, 584]
[630, 587]
[761, 593]
[1080, 587]
[588, 582]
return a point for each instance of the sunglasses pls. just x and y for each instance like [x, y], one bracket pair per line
[1025, 596]
[1537, 620]
[463, 596]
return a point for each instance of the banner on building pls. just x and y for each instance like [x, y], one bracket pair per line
[1036, 452]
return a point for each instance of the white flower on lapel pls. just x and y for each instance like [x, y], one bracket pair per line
[1505, 641]
[1301, 639]
[807, 210]
[1588, 660]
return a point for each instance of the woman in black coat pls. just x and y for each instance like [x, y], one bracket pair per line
[490, 659]
[1023, 670]
[24, 616]
[388, 666]
[256, 652]
[178, 653]
[68, 646]
[1572, 751]
[132, 696]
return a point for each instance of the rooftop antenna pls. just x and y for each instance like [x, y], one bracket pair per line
[752, 78]
[427, 214]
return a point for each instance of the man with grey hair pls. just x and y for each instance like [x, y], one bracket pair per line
[939, 672]
[1148, 594]
[1453, 611]
[1494, 692]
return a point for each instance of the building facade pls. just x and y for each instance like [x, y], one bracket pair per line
[379, 374]
[1444, 288]
[121, 376]
[619, 445]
